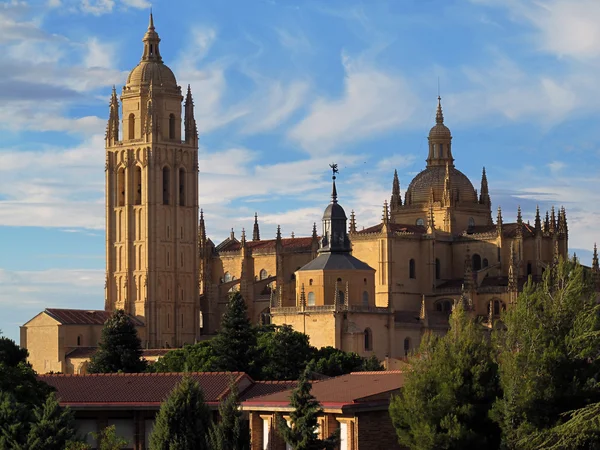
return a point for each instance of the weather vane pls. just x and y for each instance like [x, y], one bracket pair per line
[334, 169]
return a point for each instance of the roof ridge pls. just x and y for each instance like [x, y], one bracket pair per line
[143, 374]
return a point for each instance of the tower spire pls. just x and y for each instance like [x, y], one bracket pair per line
[191, 130]
[484, 195]
[334, 169]
[202, 228]
[352, 222]
[595, 262]
[151, 41]
[552, 220]
[439, 115]
[256, 231]
[538, 220]
[112, 128]
[396, 200]
[499, 221]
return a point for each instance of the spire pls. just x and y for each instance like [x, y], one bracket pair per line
[512, 270]
[385, 219]
[423, 313]
[335, 227]
[547, 223]
[333, 191]
[499, 221]
[396, 200]
[302, 296]
[243, 241]
[232, 235]
[256, 231]
[484, 196]
[352, 222]
[151, 41]
[202, 229]
[468, 274]
[191, 130]
[112, 128]
[278, 237]
[439, 115]
[430, 220]
[562, 221]
[595, 263]
[538, 220]
[314, 231]
[552, 220]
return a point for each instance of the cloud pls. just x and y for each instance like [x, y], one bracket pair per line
[97, 7]
[373, 102]
[99, 55]
[556, 166]
[296, 41]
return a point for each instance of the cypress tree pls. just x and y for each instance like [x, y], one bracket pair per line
[234, 345]
[120, 348]
[231, 432]
[183, 420]
[301, 434]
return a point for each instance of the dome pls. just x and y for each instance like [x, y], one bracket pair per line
[418, 191]
[440, 131]
[151, 71]
[334, 211]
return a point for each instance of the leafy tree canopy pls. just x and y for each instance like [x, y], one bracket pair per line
[447, 396]
[191, 358]
[120, 349]
[282, 353]
[550, 363]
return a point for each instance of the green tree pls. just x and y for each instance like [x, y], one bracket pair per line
[449, 392]
[183, 420]
[282, 353]
[52, 428]
[235, 345]
[333, 362]
[231, 432]
[550, 363]
[120, 348]
[15, 419]
[191, 358]
[301, 434]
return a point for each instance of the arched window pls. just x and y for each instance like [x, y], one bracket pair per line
[121, 187]
[310, 282]
[263, 274]
[342, 297]
[365, 281]
[311, 299]
[339, 280]
[166, 178]
[441, 150]
[368, 340]
[406, 346]
[438, 269]
[496, 308]
[172, 126]
[443, 306]
[137, 181]
[412, 271]
[435, 152]
[485, 263]
[131, 126]
[227, 277]
[476, 261]
[365, 298]
[182, 187]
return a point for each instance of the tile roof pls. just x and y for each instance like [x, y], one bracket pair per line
[84, 316]
[396, 228]
[510, 230]
[336, 261]
[136, 389]
[352, 389]
[290, 243]
[261, 388]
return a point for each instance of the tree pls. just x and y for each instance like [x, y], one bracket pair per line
[183, 420]
[235, 344]
[333, 362]
[231, 432]
[108, 439]
[449, 392]
[52, 428]
[550, 363]
[191, 358]
[120, 348]
[301, 434]
[283, 352]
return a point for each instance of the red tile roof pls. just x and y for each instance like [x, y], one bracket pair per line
[352, 389]
[84, 316]
[136, 389]
[261, 388]
[289, 243]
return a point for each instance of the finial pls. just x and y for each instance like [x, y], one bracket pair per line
[293, 235]
[278, 233]
[439, 116]
[151, 23]
[232, 235]
[595, 262]
[334, 169]
[314, 230]
[519, 217]
[386, 214]
[538, 219]
[256, 230]
[243, 236]
[352, 222]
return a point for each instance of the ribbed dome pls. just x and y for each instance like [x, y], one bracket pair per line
[147, 71]
[418, 191]
[440, 131]
[334, 211]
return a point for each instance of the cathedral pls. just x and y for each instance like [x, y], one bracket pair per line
[374, 290]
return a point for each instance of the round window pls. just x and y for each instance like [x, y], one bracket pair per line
[420, 222]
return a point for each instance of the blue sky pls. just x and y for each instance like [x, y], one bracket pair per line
[282, 88]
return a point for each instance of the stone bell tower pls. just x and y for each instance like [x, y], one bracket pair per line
[152, 202]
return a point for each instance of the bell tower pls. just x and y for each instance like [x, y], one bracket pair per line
[152, 202]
